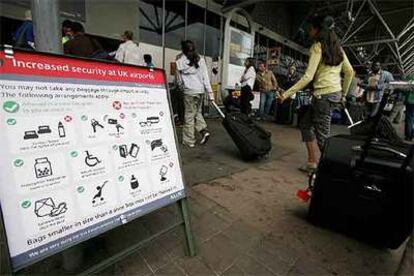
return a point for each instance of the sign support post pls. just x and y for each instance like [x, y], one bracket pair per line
[5, 264]
[191, 251]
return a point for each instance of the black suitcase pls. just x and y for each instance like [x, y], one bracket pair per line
[367, 196]
[284, 112]
[252, 140]
[364, 184]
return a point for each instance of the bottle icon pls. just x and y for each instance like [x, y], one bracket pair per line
[134, 182]
[61, 130]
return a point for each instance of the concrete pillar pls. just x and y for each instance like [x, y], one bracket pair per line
[47, 30]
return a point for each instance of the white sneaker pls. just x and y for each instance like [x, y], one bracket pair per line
[205, 136]
[189, 145]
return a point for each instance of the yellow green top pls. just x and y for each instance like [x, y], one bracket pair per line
[326, 79]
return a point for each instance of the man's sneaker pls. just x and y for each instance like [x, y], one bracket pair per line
[204, 136]
[189, 145]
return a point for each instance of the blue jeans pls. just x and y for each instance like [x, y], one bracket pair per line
[409, 121]
[373, 109]
[266, 99]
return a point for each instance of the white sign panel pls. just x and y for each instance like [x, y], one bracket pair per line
[85, 146]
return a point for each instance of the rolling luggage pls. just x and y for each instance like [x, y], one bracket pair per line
[364, 185]
[251, 139]
[367, 197]
[284, 112]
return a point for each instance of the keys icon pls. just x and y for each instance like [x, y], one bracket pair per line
[95, 124]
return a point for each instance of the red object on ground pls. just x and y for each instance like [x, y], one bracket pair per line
[304, 194]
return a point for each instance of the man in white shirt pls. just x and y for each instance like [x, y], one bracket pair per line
[128, 52]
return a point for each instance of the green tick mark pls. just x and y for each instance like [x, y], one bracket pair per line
[74, 154]
[84, 118]
[26, 204]
[80, 189]
[11, 107]
[11, 122]
[18, 162]
[121, 178]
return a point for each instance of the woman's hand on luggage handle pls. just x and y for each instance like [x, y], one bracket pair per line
[281, 98]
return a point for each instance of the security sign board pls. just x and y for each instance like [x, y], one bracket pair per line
[85, 146]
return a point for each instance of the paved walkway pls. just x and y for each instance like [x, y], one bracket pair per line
[246, 220]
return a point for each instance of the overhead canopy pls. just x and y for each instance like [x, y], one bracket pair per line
[371, 30]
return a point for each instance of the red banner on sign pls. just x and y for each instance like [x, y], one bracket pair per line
[38, 64]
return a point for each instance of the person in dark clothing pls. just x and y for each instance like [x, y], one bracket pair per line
[148, 61]
[292, 77]
[67, 32]
[81, 45]
[24, 35]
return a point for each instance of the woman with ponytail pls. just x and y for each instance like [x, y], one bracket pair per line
[193, 75]
[327, 60]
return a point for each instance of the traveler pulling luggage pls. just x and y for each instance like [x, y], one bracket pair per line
[364, 186]
[251, 139]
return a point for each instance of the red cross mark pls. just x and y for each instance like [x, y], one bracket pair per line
[117, 105]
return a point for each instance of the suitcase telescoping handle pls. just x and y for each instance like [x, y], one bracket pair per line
[349, 117]
[213, 103]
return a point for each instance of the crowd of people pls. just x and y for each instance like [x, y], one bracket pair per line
[76, 42]
[327, 64]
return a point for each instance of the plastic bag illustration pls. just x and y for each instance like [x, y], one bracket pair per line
[46, 207]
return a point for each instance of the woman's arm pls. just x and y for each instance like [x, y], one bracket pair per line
[349, 74]
[206, 79]
[314, 60]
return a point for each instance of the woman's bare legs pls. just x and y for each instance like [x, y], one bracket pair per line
[312, 152]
